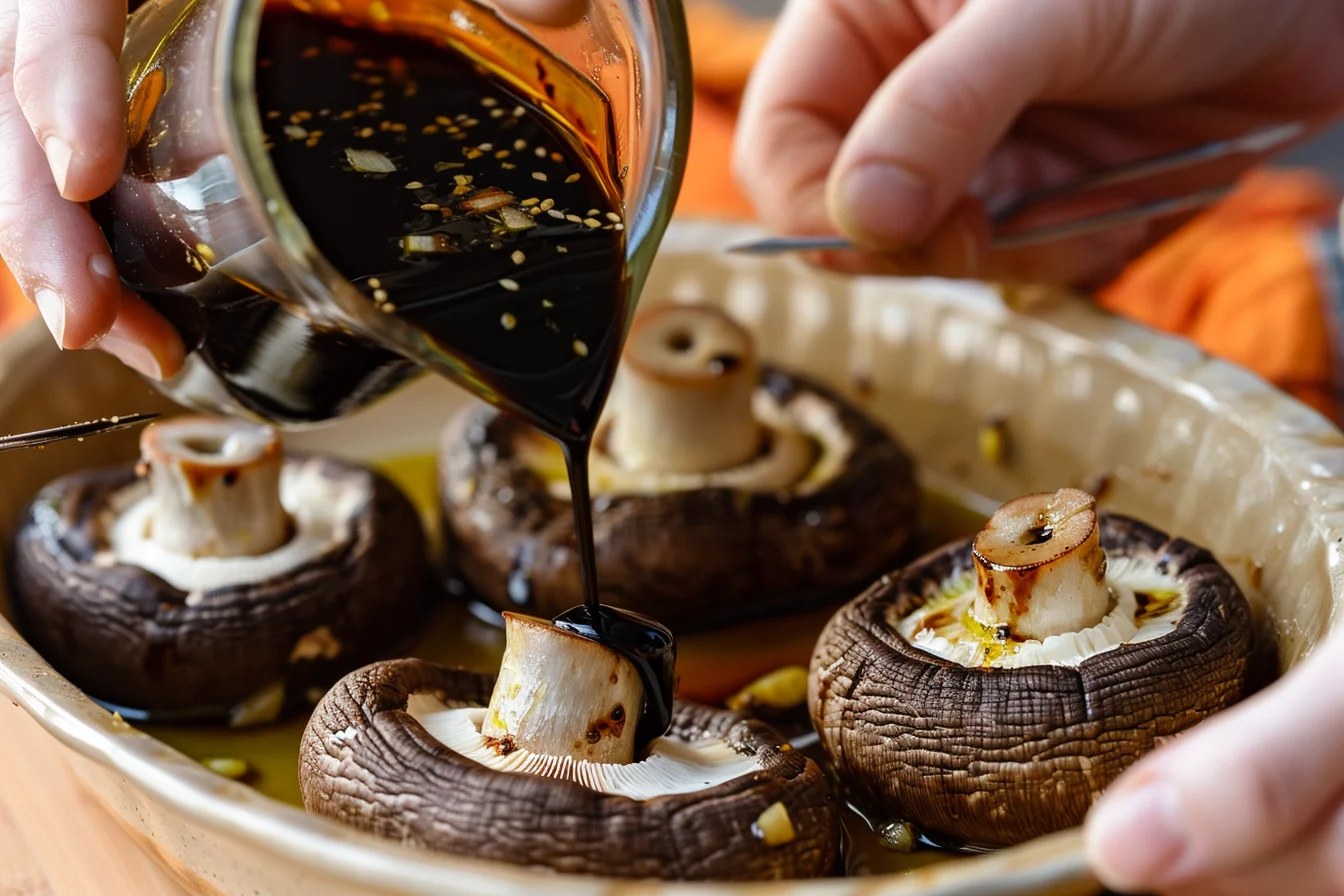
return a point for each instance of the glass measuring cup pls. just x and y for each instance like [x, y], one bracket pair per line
[200, 224]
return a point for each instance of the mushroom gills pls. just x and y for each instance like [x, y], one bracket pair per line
[322, 510]
[805, 448]
[1146, 604]
[671, 766]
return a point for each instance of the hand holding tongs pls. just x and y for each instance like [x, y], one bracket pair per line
[1255, 142]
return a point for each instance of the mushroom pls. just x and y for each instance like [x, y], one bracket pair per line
[991, 690]
[217, 579]
[723, 488]
[541, 767]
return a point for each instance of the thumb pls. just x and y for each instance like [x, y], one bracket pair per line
[1234, 790]
[930, 126]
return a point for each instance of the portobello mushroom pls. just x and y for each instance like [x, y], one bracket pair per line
[723, 488]
[541, 767]
[217, 579]
[990, 691]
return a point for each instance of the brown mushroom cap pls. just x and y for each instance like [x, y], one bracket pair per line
[367, 762]
[692, 559]
[130, 639]
[994, 757]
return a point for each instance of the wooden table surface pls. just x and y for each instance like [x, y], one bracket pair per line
[55, 839]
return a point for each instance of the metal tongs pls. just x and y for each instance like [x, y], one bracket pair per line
[1257, 142]
[78, 431]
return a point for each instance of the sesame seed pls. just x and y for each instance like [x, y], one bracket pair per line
[592, 212]
[510, 285]
[366, 132]
[555, 213]
[529, 202]
[573, 219]
[415, 185]
[463, 179]
[534, 211]
[486, 147]
[580, 348]
[508, 321]
[592, 222]
[540, 152]
[563, 250]
[573, 178]
[430, 206]
[380, 295]
[388, 307]
[613, 217]
[430, 129]
[489, 102]
[461, 190]
[377, 94]
[518, 256]
[502, 154]
[443, 120]
[507, 166]
[618, 227]
[519, 111]
[518, 145]
[275, 113]
[472, 153]
[375, 283]
[547, 303]
[497, 113]
[547, 205]
[538, 175]
[556, 157]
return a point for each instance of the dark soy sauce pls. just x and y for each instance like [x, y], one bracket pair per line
[452, 201]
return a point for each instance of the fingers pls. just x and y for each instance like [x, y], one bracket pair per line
[551, 13]
[823, 61]
[143, 340]
[930, 126]
[69, 85]
[53, 248]
[1250, 783]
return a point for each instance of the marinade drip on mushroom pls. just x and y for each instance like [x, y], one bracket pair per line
[779, 494]
[991, 690]
[541, 766]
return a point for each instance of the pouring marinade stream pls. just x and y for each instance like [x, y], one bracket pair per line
[500, 239]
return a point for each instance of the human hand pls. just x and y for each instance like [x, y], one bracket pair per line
[1249, 803]
[60, 83]
[894, 122]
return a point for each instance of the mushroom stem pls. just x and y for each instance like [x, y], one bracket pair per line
[562, 695]
[1040, 566]
[683, 400]
[215, 487]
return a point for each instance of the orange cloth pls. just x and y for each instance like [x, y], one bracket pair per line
[1241, 281]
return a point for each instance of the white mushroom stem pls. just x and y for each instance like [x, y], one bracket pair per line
[562, 695]
[214, 487]
[683, 400]
[1040, 566]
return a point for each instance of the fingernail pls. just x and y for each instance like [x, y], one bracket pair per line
[59, 155]
[103, 267]
[52, 309]
[132, 354]
[1135, 837]
[885, 203]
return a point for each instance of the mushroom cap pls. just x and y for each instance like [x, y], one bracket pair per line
[693, 559]
[130, 639]
[996, 756]
[365, 761]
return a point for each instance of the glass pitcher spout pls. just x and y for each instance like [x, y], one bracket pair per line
[201, 223]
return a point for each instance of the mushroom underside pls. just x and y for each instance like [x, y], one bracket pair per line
[996, 756]
[694, 558]
[133, 640]
[367, 762]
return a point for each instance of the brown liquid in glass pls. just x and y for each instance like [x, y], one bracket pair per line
[452, 201]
